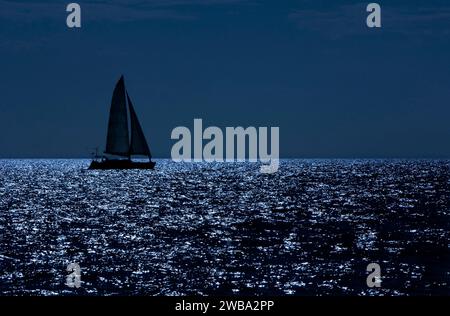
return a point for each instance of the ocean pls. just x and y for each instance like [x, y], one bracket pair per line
[217, 229]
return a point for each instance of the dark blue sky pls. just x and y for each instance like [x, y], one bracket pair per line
[334, 87]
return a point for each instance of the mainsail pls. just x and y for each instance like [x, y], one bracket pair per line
[138, 144]
[117, 141]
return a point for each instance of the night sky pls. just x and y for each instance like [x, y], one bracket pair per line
[334, 87]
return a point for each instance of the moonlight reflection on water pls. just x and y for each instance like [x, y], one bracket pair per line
[312, 228]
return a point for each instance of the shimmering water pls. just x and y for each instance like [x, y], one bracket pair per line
[312, 228]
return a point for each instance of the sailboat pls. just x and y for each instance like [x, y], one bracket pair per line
[120, 146]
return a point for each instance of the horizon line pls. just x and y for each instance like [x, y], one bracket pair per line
[246, 160]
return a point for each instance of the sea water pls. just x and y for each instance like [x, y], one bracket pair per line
[210, 228]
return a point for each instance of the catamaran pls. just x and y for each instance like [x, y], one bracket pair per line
[120, 147]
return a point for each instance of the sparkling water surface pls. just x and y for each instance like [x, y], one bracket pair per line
[311, 228]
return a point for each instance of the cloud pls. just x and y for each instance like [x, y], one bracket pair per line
[24, 24]
[350, 20]
[114, 10]
[23, 12]
[425, 21]
[337, 22]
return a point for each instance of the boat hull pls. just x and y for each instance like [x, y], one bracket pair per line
[120, 164]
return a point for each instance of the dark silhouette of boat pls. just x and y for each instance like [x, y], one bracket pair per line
[120, 145]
